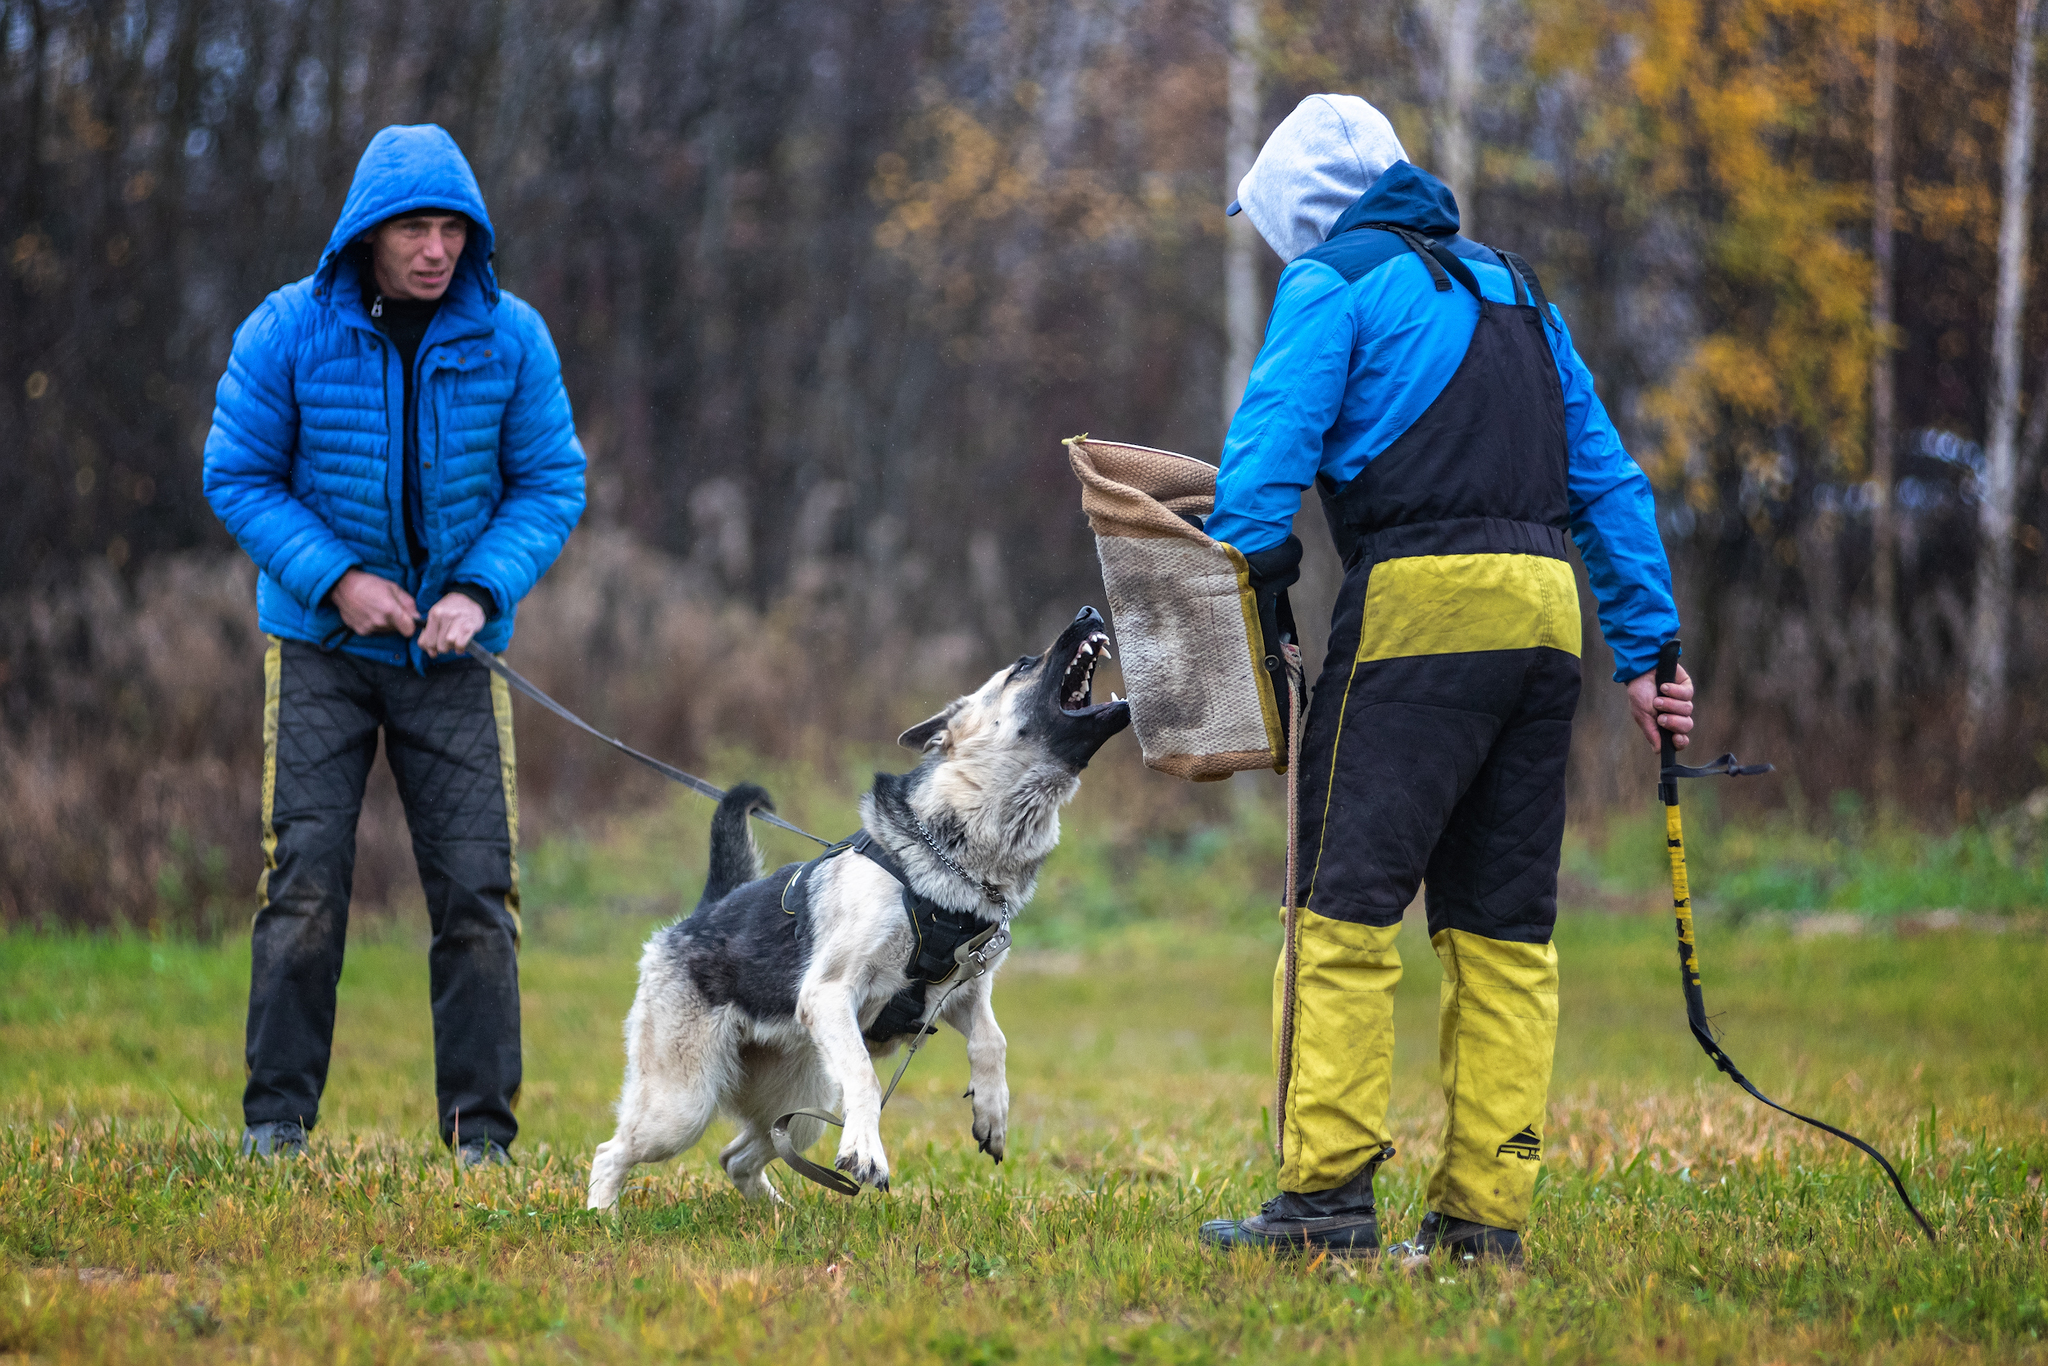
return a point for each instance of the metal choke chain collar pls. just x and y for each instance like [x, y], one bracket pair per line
[988, 889]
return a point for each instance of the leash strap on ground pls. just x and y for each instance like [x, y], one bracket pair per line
[971, 960]
[1688, 948]
[1283, 1063]
[668, 771]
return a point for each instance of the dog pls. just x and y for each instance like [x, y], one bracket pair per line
[750, 1007]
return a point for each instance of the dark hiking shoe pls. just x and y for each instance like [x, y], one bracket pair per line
[274, 1138]
[484, 1152]
[1343, 1222]
[1461, 1240]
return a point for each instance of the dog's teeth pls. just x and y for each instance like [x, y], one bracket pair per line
[1114, 698]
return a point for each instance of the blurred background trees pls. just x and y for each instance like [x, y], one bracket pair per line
[831, 281]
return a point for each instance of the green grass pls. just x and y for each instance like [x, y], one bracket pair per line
[1675, 1221]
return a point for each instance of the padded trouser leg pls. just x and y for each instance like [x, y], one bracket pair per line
[450, 745]
[1497, 1031]
[319, 740]
[1343, 1049]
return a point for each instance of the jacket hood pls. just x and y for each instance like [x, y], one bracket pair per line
[408, 167]
[1407, 195]
[1322, 157]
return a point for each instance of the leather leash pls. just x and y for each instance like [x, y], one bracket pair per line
[668, 771]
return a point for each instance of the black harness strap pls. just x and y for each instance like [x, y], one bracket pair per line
[939, 932]
[1528, 273]
[1444, 267]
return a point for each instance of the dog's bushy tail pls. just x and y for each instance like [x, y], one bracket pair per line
[735, 858]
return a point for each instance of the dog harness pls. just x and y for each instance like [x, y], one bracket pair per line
[956, 947]
[939, 931]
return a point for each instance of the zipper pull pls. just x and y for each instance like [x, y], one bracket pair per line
[377, 308]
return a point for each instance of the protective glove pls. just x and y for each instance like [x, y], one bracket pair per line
[1273, 572]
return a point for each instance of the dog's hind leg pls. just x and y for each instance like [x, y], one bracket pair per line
[672, 1084]
[772, 1082]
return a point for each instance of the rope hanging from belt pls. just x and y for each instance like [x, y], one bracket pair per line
[668, 771]
[1283, 1064]
[1688, 949]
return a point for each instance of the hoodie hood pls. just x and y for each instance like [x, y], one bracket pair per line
[408, 167]
[1407, 195]
[1322, 157]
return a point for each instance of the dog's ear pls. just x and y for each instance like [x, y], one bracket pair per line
[921, 735]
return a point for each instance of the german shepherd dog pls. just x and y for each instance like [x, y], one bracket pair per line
[747, 1008]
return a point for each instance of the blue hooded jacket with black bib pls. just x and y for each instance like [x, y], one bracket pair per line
[305, 461]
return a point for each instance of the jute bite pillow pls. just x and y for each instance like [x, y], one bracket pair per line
[1187, 622]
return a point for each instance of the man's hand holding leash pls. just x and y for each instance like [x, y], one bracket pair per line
[371, 606]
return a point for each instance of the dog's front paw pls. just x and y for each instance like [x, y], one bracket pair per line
[865, 1162]
[991, 1122]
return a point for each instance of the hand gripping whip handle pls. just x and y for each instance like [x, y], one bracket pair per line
[1668, 778]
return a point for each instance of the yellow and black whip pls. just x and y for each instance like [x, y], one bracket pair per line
[1688, 949]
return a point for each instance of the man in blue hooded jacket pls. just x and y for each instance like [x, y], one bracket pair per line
[392, 433]
[1420, 381]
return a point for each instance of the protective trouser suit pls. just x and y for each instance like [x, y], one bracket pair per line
[448, 738]
[1434, 751]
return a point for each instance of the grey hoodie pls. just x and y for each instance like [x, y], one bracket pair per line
[1320, 159]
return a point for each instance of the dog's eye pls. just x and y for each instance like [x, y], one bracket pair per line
[1024, 664]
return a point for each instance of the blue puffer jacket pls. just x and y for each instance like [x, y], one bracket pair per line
[305, 462]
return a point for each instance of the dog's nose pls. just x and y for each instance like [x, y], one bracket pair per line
[1087, 612]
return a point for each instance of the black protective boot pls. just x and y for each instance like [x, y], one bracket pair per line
[1462, 1240]
[1343, 1222]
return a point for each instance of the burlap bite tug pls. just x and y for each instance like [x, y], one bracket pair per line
[1187, 622]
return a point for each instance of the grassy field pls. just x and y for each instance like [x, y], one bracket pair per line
[1675, 1221]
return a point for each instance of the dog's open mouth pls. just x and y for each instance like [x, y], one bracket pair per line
[1077, 685]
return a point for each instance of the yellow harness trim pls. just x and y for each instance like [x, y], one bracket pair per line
[1460, 604]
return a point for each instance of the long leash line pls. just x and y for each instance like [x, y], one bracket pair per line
[1688, 947]
[668, 771]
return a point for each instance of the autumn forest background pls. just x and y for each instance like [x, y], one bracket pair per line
[831, 281]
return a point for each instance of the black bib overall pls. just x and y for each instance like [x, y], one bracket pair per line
[1435, 750]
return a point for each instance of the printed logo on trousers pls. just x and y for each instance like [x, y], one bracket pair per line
[1525, 1145]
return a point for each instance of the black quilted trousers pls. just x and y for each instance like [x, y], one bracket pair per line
[448, 739]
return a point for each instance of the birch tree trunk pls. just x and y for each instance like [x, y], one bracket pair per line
[1243, 325]
[1455, 26]
[1884, 438]
[1993, 606]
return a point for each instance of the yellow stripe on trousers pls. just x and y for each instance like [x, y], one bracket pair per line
[273, 673]
[1457, 604]
[501, 711]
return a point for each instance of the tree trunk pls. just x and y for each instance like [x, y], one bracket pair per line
[1243, 323]
[1993, 606]
[1455, 25]
[1884, 437]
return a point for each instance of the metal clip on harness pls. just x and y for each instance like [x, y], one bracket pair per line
[1688, 950]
